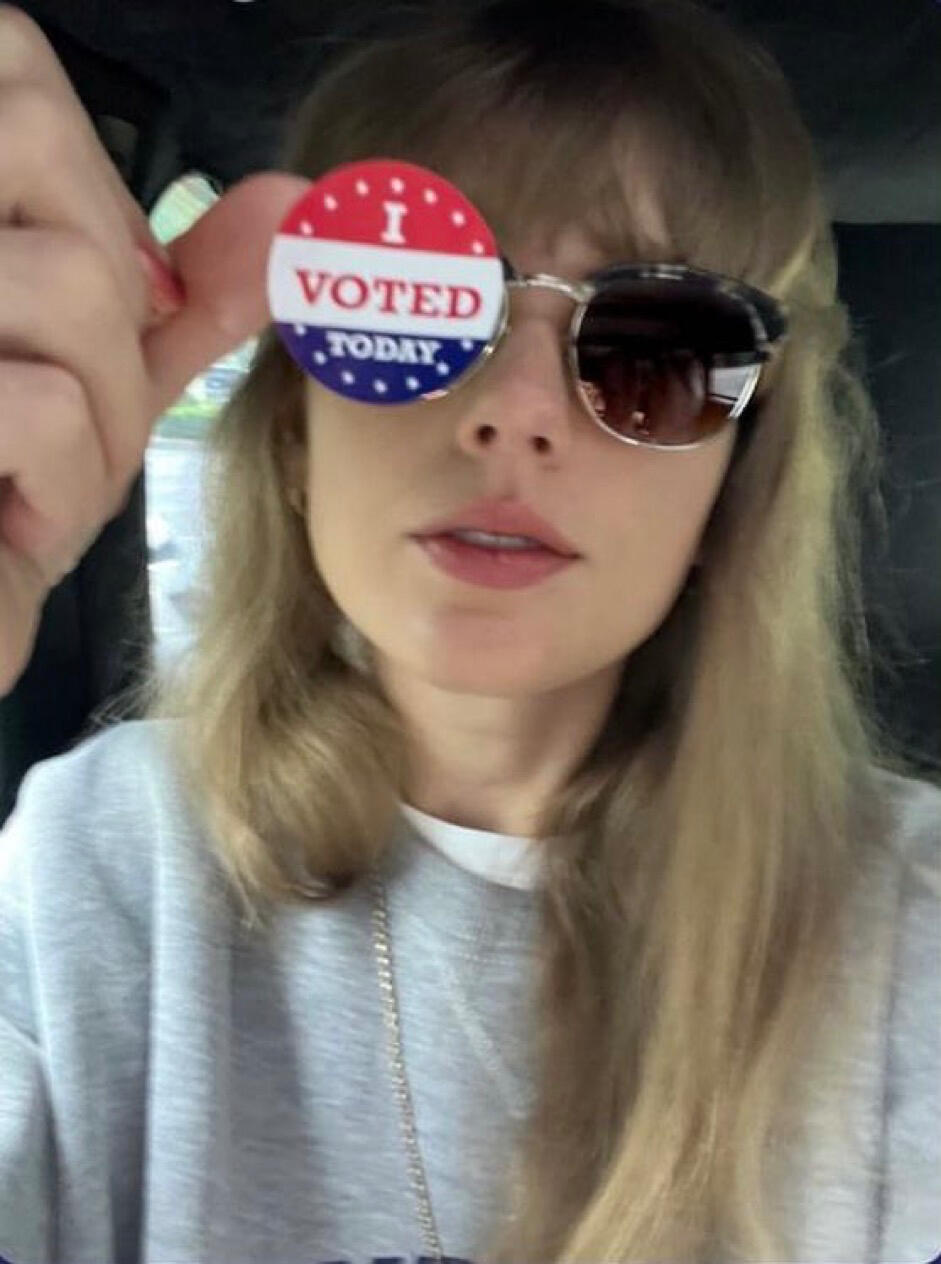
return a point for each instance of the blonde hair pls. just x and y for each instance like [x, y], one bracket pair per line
[735, 768]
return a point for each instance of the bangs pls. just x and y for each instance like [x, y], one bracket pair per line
[535, 177]
[643, 127]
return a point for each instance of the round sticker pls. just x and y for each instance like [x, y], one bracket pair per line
[385, 282]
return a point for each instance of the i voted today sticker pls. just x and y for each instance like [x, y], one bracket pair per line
[385, 283]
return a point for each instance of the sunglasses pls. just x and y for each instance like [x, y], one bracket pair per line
[661, 355]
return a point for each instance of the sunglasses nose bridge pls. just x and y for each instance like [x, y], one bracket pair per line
[579, 293]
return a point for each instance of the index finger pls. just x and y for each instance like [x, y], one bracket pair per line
[54, 171]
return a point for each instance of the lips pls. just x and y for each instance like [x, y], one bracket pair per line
[534, 546]
[503, 518]
[492, 568]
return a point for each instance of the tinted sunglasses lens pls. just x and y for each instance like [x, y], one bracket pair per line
[665, 362]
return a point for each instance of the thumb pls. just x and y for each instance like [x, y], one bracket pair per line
[222, 264]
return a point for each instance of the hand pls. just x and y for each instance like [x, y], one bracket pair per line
[90, 355]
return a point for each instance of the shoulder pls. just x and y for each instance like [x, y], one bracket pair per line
[117, 779]
[95, 826]
[913, 851]
[913, 834]
[103, 767]
[912, 1075]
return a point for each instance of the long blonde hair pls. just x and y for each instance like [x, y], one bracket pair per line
[734, 771]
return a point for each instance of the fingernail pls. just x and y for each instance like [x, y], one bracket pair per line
[166, 289]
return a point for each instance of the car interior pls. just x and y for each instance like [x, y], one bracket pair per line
[175, 89]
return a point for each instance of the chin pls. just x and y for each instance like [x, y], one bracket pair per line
[507, 672]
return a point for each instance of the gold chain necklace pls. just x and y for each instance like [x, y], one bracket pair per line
[397, 1065]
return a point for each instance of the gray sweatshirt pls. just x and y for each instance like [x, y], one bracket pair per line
[175, 1089]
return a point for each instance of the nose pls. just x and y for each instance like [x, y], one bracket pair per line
[524, 394]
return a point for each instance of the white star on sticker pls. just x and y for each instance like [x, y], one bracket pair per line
[330, 202]
[443, 369]
[458, 218]
[396, 186]
[300, 330]
[412, 383]
[306, 228]
[319, 357]
[430, 196]
[477, 248]
[379, 387]
[362, 188]
[466, 344]
[347, 376]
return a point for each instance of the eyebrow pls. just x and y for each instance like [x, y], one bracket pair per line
[511, 272]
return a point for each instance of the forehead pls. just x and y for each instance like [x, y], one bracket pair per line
[574, 252]
[567, 253]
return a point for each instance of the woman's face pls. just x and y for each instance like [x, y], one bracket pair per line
[378, 474]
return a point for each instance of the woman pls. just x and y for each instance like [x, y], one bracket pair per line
[593, 919]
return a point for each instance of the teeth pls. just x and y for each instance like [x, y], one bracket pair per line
[498, 541]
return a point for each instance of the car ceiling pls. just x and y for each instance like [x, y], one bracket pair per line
[866, 76]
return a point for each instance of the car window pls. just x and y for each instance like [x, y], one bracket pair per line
[174, 460]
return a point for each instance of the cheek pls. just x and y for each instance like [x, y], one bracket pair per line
[339, 455]
[660, 507]
[331, 488]
[354, 443]
[643, 556]
[353, 456]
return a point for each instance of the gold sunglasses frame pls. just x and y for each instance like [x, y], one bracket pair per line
[768, 317]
